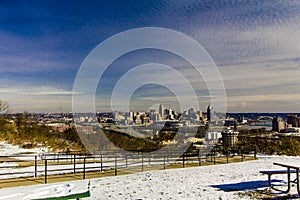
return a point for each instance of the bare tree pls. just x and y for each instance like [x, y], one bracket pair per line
[4, 107]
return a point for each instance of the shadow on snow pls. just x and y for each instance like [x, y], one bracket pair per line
[250, 185]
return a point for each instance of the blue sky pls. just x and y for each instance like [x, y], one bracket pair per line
[255, 44]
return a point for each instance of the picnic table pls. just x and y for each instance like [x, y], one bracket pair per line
[291, 168]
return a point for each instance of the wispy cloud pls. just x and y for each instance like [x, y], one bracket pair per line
[37, 99]
[256, 45]
[35, 91]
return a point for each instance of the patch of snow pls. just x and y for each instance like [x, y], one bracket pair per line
[9, 150]
[45, 191]
[8, 165]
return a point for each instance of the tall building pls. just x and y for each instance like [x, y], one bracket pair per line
[200, 114]
[170, 111]
[293, 120]
[170, 114]
[210, 113]
[229, 138]
[161, 111]
[278, 124]
[191, 113]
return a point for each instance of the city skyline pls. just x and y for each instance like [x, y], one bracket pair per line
[255, 45]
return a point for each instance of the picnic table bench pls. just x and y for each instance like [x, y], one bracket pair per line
[290, 169]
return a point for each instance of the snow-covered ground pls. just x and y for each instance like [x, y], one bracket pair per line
[225, 181]
[206, 182]
[45, 191]
[8, 149]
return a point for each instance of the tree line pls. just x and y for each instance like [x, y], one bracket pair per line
[21, 130]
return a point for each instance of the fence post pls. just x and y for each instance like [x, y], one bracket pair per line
[167, 156]
[214, 152]
[214, 159]
[242, 156]
[116, 172]
[84, 167]
[142, 162]
[35, 166]
[45, 171]
[164, 160]
[74, 163]
[227, 155]
[101, 163]
[183, 160]
[126, 162]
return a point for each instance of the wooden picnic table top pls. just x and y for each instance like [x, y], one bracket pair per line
[288, 165]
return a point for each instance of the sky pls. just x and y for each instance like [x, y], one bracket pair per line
[254, 44]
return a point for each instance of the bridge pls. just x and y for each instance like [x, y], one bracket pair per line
[261, 119]
[264, 118]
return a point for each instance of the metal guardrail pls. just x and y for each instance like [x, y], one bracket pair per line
[82, 162]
